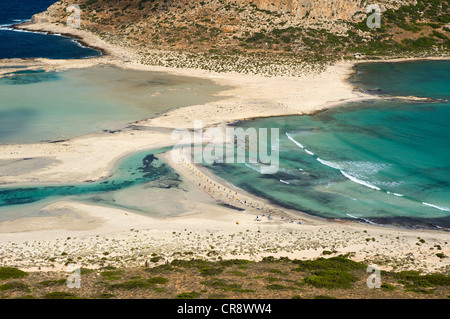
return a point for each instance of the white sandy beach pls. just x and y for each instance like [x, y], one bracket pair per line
[204, 228]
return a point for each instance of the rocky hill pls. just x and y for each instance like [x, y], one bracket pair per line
[288, 30]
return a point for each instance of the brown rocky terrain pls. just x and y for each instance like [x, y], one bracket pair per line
[229, 35]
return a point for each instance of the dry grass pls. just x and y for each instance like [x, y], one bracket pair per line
[239, 279]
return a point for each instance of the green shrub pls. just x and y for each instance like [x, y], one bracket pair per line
[90, 2]
[158, 289]
[215, 283]
[108, 268]
[331, 279]
[420, 43]
[279, 287]
[50, 283]
[157, 280]
[414, 278]
[439, 35]
[188, 295]
[222, 284]
[86, 271]
[272, 279]
[26, 297]
[60, 295]
[210, 271]
[388, 287]
[11, 272]
[275, 271]
[161, 268]
[333, 263]
[16, 285]
[193, 263]
[132, 284]
[419, 290]
[112, 274]
[269, 259]
[105, 295]
[237, 273]
[232, 262]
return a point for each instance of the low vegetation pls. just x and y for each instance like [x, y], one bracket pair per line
[10, 272]
[334, 277]
[241, 37]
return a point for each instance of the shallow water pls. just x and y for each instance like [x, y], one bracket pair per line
[132, 172]
[379, 162]
[40, 106]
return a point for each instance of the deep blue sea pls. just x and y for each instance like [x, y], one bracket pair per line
[23, 44]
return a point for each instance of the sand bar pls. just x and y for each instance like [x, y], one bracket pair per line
[205, 228]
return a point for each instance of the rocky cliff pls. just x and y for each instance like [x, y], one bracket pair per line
[318, 10]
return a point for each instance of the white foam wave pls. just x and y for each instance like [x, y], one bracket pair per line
[361, 182]
[15, 21]
[366, 168]
[8, 27]
[292, 139]
[390, 184]
[74, 41]
[395, 194]
[329, 164]
[284, 182]
[445, 209]
[262, 169]
[309, 152]
[364, 219]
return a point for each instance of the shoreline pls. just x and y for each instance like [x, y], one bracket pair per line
[76, 38]
[92, 157]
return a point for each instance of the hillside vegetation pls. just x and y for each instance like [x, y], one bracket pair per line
[252, 36]
[271, 278]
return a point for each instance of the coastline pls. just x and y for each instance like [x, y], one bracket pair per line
[93, 156]
[79, 39]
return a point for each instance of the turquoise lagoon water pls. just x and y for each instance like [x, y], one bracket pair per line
[38, 106]
[132, 172]
[380, 162]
